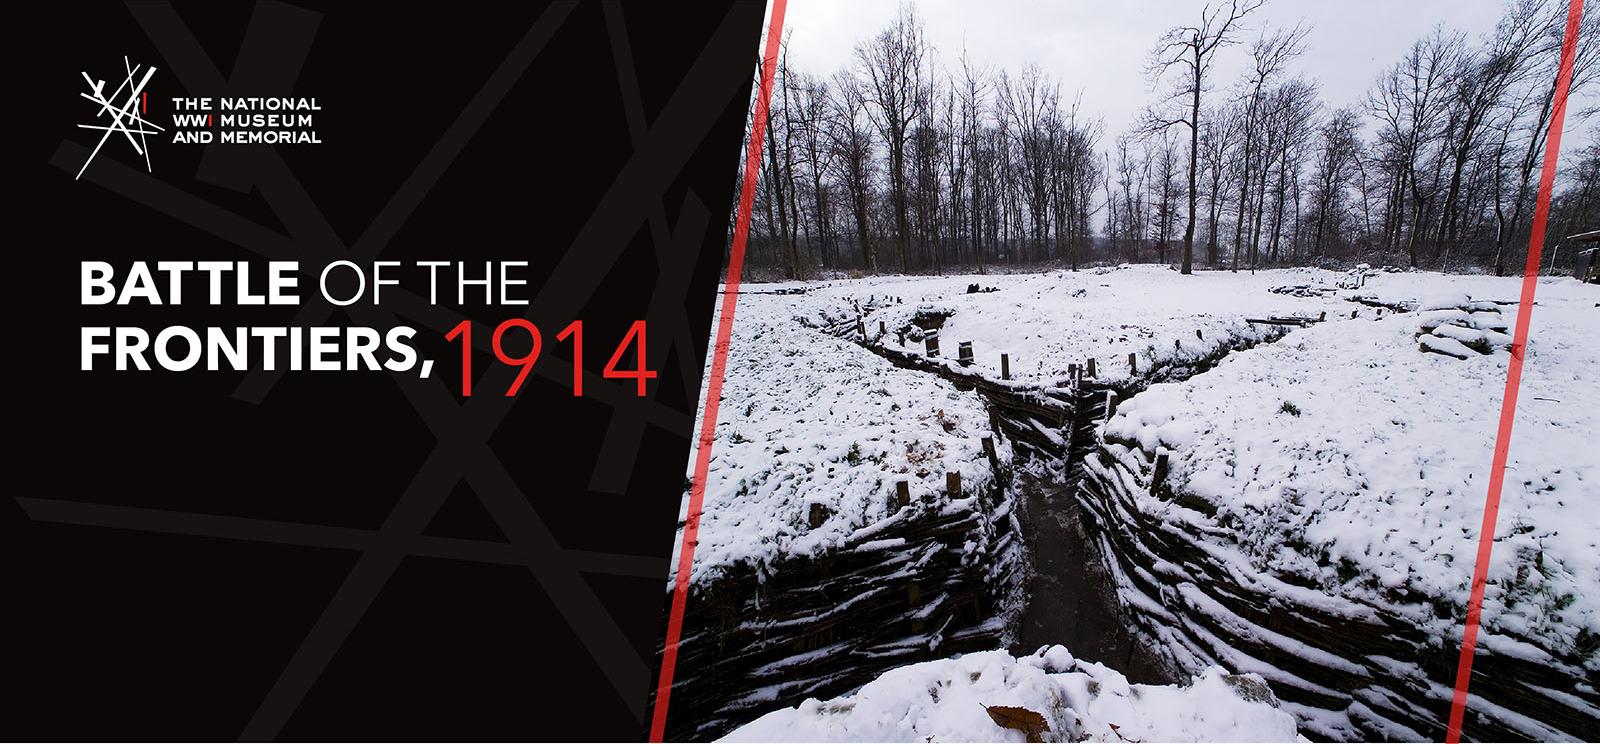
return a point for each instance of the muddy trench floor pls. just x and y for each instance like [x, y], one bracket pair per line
[1071, 599]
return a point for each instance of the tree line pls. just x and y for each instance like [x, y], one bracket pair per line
[903, 161]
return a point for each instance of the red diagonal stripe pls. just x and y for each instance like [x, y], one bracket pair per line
[719, 358]
[1519, 350]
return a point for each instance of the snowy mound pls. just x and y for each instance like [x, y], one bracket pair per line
[1343, 459]
[811, 420]
[1048, 322]
[962, 699]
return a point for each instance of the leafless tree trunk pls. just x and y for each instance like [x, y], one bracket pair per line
[1189, 51]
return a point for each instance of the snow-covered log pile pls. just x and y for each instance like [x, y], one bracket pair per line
[854, 520]
[993, 696]
[1309, 511]
[1456, 325]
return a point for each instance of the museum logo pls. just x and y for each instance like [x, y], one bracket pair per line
[122, 114]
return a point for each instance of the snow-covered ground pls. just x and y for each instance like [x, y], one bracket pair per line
[950, 700]
[807, 418]
[1047, 322]
[1349, 457]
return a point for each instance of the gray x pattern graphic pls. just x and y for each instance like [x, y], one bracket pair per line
[276, 43]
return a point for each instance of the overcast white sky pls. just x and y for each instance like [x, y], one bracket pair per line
[1100, 47]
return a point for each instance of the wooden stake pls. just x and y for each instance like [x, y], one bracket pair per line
[952, 484]
[902, 494]
[1005, 366]
[1160, 473]
[1133, 362]
[819, 514]
[1091, 367]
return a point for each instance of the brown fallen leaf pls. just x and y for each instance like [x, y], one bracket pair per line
[1030, 723]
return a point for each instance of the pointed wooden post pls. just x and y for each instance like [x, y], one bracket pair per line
[1005, 366]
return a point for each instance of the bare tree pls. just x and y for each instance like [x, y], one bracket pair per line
[1409, 102]
[966, 165]
[1217, 134]
[1131, 172]
[1191, 50]
[850, 139]
[1270, 54]
[1165, 159]
[1532, 113]
[1338, 153]
[1294, 105]
[1477, 89]
[974, 86]
[1030, 102]
[893, 63]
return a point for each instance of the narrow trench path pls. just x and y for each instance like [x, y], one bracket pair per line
[1071, 600]
[1070, 596]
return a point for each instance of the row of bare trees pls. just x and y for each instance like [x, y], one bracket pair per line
[902, 163]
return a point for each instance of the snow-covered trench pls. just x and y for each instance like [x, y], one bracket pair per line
[814, 574]
[914, 590]
[1072, 593]
[1272, 540]
[1347, 671]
